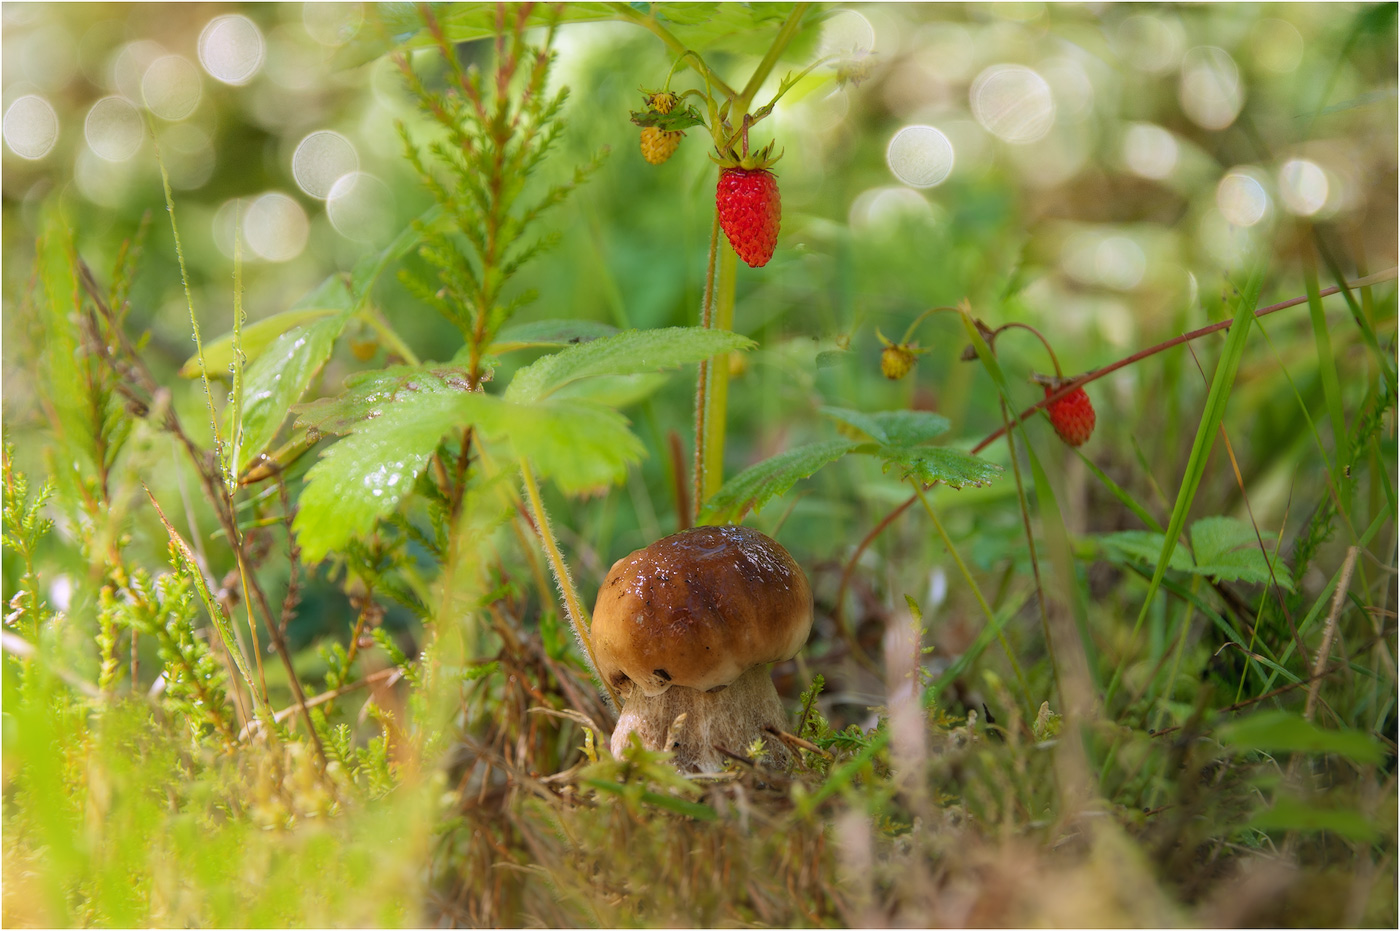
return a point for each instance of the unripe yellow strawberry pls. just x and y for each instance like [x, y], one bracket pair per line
[896, 361]
[659, 144]
[662, 101]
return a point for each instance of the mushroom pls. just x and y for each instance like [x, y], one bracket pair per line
[688, 626]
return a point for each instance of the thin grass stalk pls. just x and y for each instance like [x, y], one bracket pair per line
[976, 592]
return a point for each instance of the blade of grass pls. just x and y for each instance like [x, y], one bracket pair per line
[1322, 599]
[1211, 418]
[976, 592]
[1327, 370]
[1125, 499]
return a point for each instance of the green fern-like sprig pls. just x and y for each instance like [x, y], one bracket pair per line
[495, 132]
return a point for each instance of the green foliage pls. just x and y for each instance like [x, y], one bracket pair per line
[630, 353]
[941, 465]
[756, 485]
[1225, 549]
[279, 377]
[1280, 731]
[898, 437]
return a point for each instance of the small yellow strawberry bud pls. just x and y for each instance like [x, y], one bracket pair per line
[659, 144]
[896, 361]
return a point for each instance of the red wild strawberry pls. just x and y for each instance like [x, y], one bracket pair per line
[749, 212]
[1072, 416]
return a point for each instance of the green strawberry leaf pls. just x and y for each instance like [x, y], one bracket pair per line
[218, 355]
[1142, 547]
[628, 353]
[367, 394]
[579, 445]
[756, 485]
[1292, 814]
[279, 378]
[548, 334]
[364, 476]
[930, 464]
[893, 428]
[1227, 550]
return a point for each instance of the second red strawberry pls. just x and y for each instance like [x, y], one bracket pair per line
[749, 212]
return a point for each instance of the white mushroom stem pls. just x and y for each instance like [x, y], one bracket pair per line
[731, 717]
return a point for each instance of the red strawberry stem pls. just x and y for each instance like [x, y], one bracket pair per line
[1043, 341]
[1095, 375]
[909, 333]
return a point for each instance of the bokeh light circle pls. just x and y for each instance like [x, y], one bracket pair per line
[1013, 103]
[1303, 186]
[920, 156]
[48, 57]
[30, 127]
[847, 34]
[361, 208]
[1278, 45]
[171, 87]
[1149, 151]
[1149, 43]
[275, 227]
[189, 155]
[1119, 263]
[113, 129]
[231, 48]
[887, 207]
[332, 24]
[1211, 91]
[322, 159]
[1241, 199]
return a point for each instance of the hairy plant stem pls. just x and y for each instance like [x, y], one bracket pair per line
[976, 592]
[578, 615]
[702, 378]
[717, 391]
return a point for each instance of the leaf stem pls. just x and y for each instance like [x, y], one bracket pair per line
[649, 23]
[578, 615]
[765, 67]
[386, 333]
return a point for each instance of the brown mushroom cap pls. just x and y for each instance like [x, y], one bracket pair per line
[698, 608]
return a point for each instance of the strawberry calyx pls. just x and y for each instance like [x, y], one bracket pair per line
[663, 111]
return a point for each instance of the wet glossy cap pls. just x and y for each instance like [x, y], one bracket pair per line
[698, 608]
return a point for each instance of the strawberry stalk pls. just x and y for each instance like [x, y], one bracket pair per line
[712, 390]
